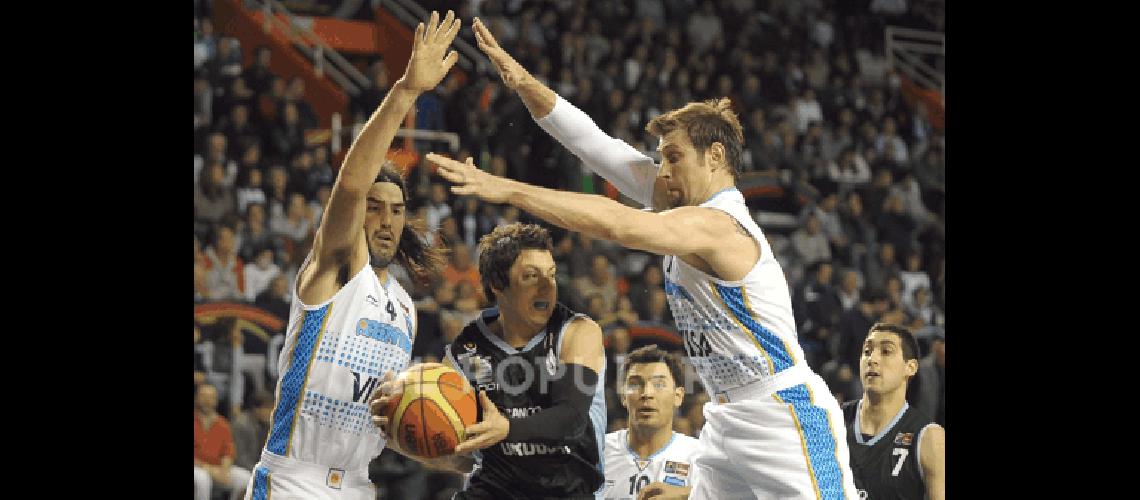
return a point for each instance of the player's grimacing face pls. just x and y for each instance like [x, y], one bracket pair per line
[650, 395]
[683, 169]
[533, 290]
[882, 368]
[384, 219]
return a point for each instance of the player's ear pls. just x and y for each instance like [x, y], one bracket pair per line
[911, 367]
[678, 396]
[715, 153]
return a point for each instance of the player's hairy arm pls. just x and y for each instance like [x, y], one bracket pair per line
[339, 237]
[932, 453]
[681, 231]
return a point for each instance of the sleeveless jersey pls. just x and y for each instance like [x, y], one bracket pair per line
[627, 474]
[516, 381]
[886, 466]
[333, 358]
[735, 332]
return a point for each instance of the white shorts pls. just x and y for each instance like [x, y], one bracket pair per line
[280, 478]
[786, 440]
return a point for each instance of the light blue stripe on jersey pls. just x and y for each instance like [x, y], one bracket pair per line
[733, 297]
[598, 420]
[816, 431]
[260, 484]
[294, 381]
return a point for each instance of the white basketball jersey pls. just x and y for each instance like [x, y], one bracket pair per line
[735, 332]
[627, 474]
[332, 360]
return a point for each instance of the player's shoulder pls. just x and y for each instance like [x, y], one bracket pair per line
[615, 438]
[684, 443]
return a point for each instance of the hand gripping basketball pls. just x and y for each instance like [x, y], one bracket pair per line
[425, 410]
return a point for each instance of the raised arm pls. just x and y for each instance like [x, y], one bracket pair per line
[632, 172]
[339, 240]
[683, 231]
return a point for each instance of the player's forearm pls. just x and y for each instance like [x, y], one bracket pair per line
[627, 168]
[366, 155]
[538, 98]
[595, 215]
[453, 463]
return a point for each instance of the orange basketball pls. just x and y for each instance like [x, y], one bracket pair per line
[437, 406]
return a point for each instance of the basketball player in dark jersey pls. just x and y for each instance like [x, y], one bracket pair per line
[537, 366]
[897, 452]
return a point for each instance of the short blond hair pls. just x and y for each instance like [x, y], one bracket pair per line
[706, 122]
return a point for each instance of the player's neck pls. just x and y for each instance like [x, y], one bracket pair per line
[647, 441]
[515, 331]
[719, 182]
[879, 409]
[381, 274]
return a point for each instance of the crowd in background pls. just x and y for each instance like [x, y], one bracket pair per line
[861, 165]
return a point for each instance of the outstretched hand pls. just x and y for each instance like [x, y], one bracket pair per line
[469, 180]
[509, 69]
[489, 432]
[427, 66]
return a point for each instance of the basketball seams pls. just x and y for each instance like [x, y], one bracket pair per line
[427, 386]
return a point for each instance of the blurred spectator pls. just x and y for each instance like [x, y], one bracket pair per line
[817, 310]
[205, 43]
[849, 171]
[931, 396]
[250, 430]
[807, 110]
[703, 26]
[928, 316]
[287, 135]
[460, 268]
[810, 243]
[913, 276]
[651, 279]
[848, 292]
[861, 234]
[875, 195]
[437, 207]
[600, 281]
[295, 224]
[855, 323]
[295, 95]
[370, 98]
[240, 132]
[225, 277]
[894, 225]
[258, 76]
[889, 145]
[250, 192]
[214, 449]
[201, 290]
[260, 274]
[212, 200]
[302, 178]
[659, 313]
[256, 234]
[931, 175]
[275, 299]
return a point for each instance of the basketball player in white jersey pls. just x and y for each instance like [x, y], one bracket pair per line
[350, 322]
[649, 457]
[772, 428]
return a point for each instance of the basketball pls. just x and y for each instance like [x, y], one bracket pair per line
[437, 405]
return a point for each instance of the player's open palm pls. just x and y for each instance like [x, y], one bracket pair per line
[489, 432]
[469, 180]
[509, 69]
[427, 65]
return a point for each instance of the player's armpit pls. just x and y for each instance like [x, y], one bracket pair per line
[932, 459]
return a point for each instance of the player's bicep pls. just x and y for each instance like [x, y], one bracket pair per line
[682, 231]
[583, 345]
[341, 231]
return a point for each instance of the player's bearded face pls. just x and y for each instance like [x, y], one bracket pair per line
[533, 290]
[384, 220]
[882, 368]
[650, 395]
